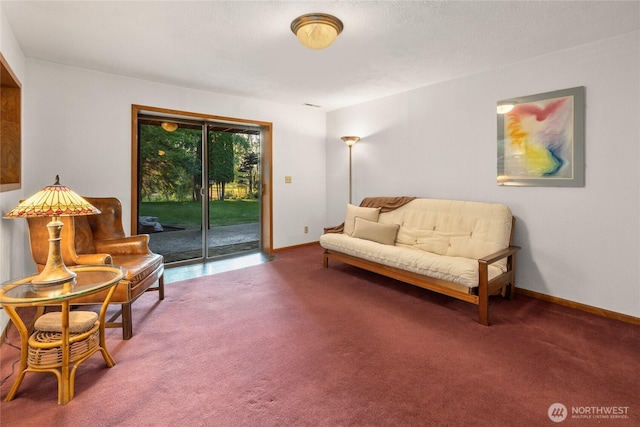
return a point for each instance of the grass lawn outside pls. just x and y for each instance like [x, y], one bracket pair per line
[188, 214]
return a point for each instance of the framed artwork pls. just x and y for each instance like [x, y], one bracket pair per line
[541, 139]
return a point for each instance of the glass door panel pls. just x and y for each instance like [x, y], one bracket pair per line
[170, 202]
[233, 189]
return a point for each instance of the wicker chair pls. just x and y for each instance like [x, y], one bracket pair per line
[100, 239]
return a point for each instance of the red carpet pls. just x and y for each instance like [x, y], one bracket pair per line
[289, 343]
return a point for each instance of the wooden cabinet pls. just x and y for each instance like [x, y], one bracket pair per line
[10, 128]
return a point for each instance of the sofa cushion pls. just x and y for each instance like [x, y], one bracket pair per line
[461, 271]
[472, 229]
[375, 231]
[409, 235]
[353, 211]
[426, 240]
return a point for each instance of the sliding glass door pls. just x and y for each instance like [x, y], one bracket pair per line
[198, 187]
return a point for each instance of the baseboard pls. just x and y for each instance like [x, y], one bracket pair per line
[286, 248]
[583, 307]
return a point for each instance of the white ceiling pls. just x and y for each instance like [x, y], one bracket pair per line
[246, 48]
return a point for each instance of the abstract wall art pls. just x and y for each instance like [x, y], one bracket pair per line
[541, 139]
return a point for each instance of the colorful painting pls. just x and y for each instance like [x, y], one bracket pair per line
[541, 139]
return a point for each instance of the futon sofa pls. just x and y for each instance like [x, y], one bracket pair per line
[458, 248]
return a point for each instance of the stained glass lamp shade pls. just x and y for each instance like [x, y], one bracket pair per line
[53, 201]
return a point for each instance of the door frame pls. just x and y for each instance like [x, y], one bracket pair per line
[266, 171]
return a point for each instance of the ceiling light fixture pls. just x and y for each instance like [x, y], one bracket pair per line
[316, 30]
[169, 126]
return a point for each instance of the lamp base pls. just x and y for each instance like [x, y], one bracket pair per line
[45, 281]
[54, 272]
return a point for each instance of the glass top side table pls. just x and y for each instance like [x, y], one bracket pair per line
[22, 293]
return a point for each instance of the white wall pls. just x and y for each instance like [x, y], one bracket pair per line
[580, 244]
[78, 125]
[12, 262]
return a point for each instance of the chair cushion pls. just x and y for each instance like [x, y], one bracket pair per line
[79, 321]
[138, 266]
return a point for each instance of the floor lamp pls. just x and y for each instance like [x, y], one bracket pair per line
[350, 141]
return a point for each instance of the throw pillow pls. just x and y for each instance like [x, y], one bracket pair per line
[356, 211]
[375, 231]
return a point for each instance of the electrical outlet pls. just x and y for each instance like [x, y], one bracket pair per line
[287, 180]
[306, 229]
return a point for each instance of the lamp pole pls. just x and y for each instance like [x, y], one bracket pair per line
[350, 147]
[350, 141]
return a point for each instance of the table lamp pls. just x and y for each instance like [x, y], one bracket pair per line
[53, 201]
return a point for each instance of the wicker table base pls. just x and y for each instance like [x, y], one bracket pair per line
[61, 350]
[45, 348]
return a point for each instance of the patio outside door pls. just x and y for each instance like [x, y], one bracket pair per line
[198, 188]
